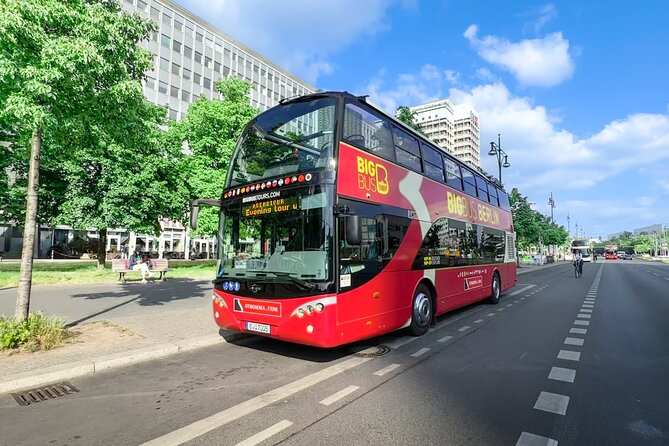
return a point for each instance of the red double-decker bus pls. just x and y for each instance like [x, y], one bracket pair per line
[340, 223]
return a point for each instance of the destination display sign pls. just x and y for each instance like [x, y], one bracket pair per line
[272, 206]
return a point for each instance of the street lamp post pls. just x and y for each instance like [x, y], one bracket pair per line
[551, 203]
[496, 150]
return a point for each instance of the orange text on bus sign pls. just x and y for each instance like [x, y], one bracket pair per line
[463, 207]
[372, 176]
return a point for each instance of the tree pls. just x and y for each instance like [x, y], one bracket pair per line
[70, 75]
[530, 224]
[404, 114]
[210, 130]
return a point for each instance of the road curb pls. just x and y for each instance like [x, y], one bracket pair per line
[64, 372]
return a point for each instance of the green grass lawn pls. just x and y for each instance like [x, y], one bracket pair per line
[52, 272]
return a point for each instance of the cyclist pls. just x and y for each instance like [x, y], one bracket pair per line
[578, 260]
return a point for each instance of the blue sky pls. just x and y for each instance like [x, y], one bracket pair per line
[578, 90]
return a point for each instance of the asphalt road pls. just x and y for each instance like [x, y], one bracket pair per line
[573, 361]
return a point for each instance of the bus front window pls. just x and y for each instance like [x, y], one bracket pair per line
[283, 237]
[293, 137]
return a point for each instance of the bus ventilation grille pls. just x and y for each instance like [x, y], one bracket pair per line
[365, 351]
[45, 393]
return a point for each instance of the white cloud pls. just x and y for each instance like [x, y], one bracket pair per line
[540, 17]
[546, 158]
[534, 62]
[297, 35]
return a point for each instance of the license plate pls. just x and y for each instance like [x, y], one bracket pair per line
[260, 328]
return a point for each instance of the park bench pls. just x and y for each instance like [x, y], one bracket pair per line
[120, 266]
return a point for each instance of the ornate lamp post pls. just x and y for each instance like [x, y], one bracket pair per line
[496, 150]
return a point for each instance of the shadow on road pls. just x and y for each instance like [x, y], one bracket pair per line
[151, 294]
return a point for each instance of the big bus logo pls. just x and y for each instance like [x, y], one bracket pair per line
[372, 176]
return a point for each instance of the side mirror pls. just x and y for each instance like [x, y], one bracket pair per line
[195, 208]
[353, 230]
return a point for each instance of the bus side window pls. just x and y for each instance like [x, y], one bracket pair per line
[469, 182]
[369, 131]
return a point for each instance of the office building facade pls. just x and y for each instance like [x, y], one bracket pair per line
[190, 56]
[454, 128]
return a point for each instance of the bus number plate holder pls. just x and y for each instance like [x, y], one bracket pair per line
[259, 328]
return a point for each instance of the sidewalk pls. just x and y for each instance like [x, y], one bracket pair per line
[522, 269]
[118, 325]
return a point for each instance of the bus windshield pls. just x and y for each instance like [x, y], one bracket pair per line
[282, 236]
[293, 137]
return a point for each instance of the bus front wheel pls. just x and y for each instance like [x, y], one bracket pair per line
[495, 289]
[422, 311]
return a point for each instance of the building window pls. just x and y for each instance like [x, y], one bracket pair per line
[162, 87]
[176, 69]
[176, 46]
[185, 95]
[188, 52]
[142, 5]
[207, 61]
[178, 23]
[186, 74]
[151, 83]
[207, 83]
[164, 65]
[167, 20]
[173, 114]
[155, 13]
[217, 67]
[165, 41]
[174, 92]
[198, 57]
[196, 79]
[199, 36]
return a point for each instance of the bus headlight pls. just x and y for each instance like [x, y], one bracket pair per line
[310, 309]
[320, 307]
[300, 312]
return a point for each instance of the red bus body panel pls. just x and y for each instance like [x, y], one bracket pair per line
[384, 303]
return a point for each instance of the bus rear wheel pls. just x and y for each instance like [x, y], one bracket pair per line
[495, 289]
[422, 311]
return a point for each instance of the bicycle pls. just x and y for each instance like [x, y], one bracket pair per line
[577, 270]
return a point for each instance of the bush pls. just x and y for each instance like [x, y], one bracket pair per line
[38, 332]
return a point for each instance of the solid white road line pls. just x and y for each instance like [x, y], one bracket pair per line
[264, 435]
[569, 355]
[561, 374]
[233, 413]
[444, 339]
[552, 402]
[339, 395]
[388, 369]
[527, 439]
[420, 352]
[578, 331]
[573, 341]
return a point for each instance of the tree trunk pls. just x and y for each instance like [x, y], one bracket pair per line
[29, 229]
[102, 247]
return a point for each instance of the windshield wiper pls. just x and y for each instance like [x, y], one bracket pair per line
[284, 142]
[294, 280]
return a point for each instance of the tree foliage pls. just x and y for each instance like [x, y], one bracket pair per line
[70, 71]
[210, 130]
[530, 224]
[404, 114]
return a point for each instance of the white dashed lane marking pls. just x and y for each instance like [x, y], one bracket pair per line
[586, 310]
[478, 321]
[577, 322]
[573, 341]
[552, 402]
[465, 328]
[562, 374]
[569, 355]
[420, 352]
[339, 395]
[578, 331]
[445, 338]
[584, 316]
[267, 433]
[388, 369]
[527, 439]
